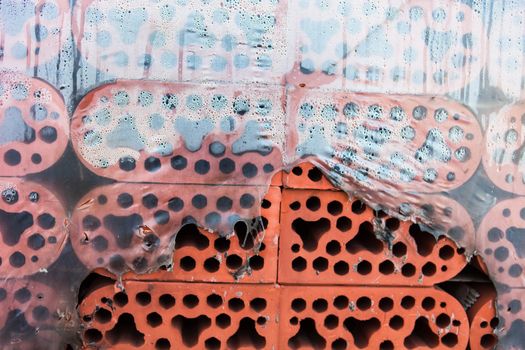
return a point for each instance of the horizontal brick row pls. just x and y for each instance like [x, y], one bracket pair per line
[164, 315]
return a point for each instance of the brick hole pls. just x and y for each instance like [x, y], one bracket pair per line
[246, 336]
[143, 298]
[299, 264]
[295, 206]
[166, 301]
[343, 224]
[408, 302]
[392, 224]
[341, 268]
[256, 262]
[386, 304]
[162, 344]
[494, 322]
[421, 335]
[396, 322]
[429, 269]
[386, 345]
[236, 304]
[310, 232]
[446, 252]
[212, 343]
[444, 268]
[331, 321]
[362, 330]
[92, 282]
[103, 315]
[154, 319]
[187, 263]
[386, 267]
[258, 304]
[190, 301]
[261, 320]
[380, 213]
[333, 247]
[399, 249]
[125, 332]
[460, 251]
[212, 264]
[456, 323]
[222, 244]
[92, 335]
[190, 236]
[298, 304]
[190, 329]
[339, 344]
[246, 240]
[313, 203]
[425, 242]
[484, 324]
[488, 341]
[120, 299]
[335, 208]
[266, 204]
[363, 303]
[320, 305]
[294, 321]
[307, 336]
[223, 321]
[450, 340]
[341, 302]
[408, 270]
[214, 300]
[365, 240]
[297, 171]
[295, 248]
[428, 303]
[233, 261]
[315, 174]
[443, 320]
[364, 267]
[358, 207]
[320, 264]
[87, 318]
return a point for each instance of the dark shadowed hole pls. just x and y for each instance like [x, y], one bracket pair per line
[386, 304]
[222, 244]
[343, 224]
[125, 332]
[341, 302]
[298, 305]
[320, 305]
[429, 269]
[446, 252]
[335, 208]
[365, 240]
[190, 301]
[190, 329]
[396, 322]
[341, 268]
[233, 261]
[408, 270]
[333, 247]
[362, 330]
[297, 171]
[295, 206]
[386, 267]
[363, 303]
[310, 232]
[187, 263]
[358, 207]
[212, 343]
[425, 242]
[320, 264]
[488, 341]
[256, 262]
[331, 321]
[236, 304]
[307, 336]
[246, 336]
[364, 267]
[386, 345]
[421, 335]
[299, 264]
[443, 320]
[143, 298]
[258, 304]
[162, 344]
[190, 236]
[212, 264]
[450, 340]
[103, 315]
[399, 249]
[214, 300]
[339, 344]
[315, 174]
[223, 321]
[313, 203]
[92, 335]
[154, 319]
[166, 301]
[428, 303]
[408, 302]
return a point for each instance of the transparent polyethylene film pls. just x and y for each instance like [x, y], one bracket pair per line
[122, 122]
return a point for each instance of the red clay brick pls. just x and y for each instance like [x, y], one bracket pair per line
[328, 239]
[306, 176]
[370, 318]
[482, 317]
[164, 315]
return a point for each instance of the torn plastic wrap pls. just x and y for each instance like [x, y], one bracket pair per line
[127, 124]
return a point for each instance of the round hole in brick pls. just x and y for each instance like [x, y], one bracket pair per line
[313, 203]
[335, 208]
[212, 264]
[297, 171]
[299, 264]
[261, 320]
[408, 302]
[488, 341]
[266, 204]
[190, 301]
[315, 174]
[399, 249]
[444, 268]
[443, 304]
[214, 300]
[494, 322]
[320, 264]
[443, 320]
[386, 345]
[396, 322]
[428, 303]
[120, 299]
[143, 298]
[341, 268]
[295, 205]
[358, 207]
[446, 252]
[236, 304]
[298, 304]
[154, 319]
[166, 301]
[484, 324]
[386, 267]
[320, 305]
[233, 261]
[429, 269]
[392, 224]
[386, 304]
[364, 267]
[258, 304]
[162, 344]
[87, 318]
[256, 262]
[222, 244]
[333, 247]
[341, 302]
[331, 321]
[363, 303]
[408, 270]
[339, 344]
[103, 315]
[343, 224]
[212, 343]
[92, 335]
[460, 251]
[187, 263]
[450, 340]
[295, 248]
[294, 321]
[456, 323]
[223, 320]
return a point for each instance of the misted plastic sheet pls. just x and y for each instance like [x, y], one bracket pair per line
[122, 122]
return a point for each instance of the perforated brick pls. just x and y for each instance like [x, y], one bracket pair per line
[483, 319]
[168, 315]
[306, 176]
[327, 238]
